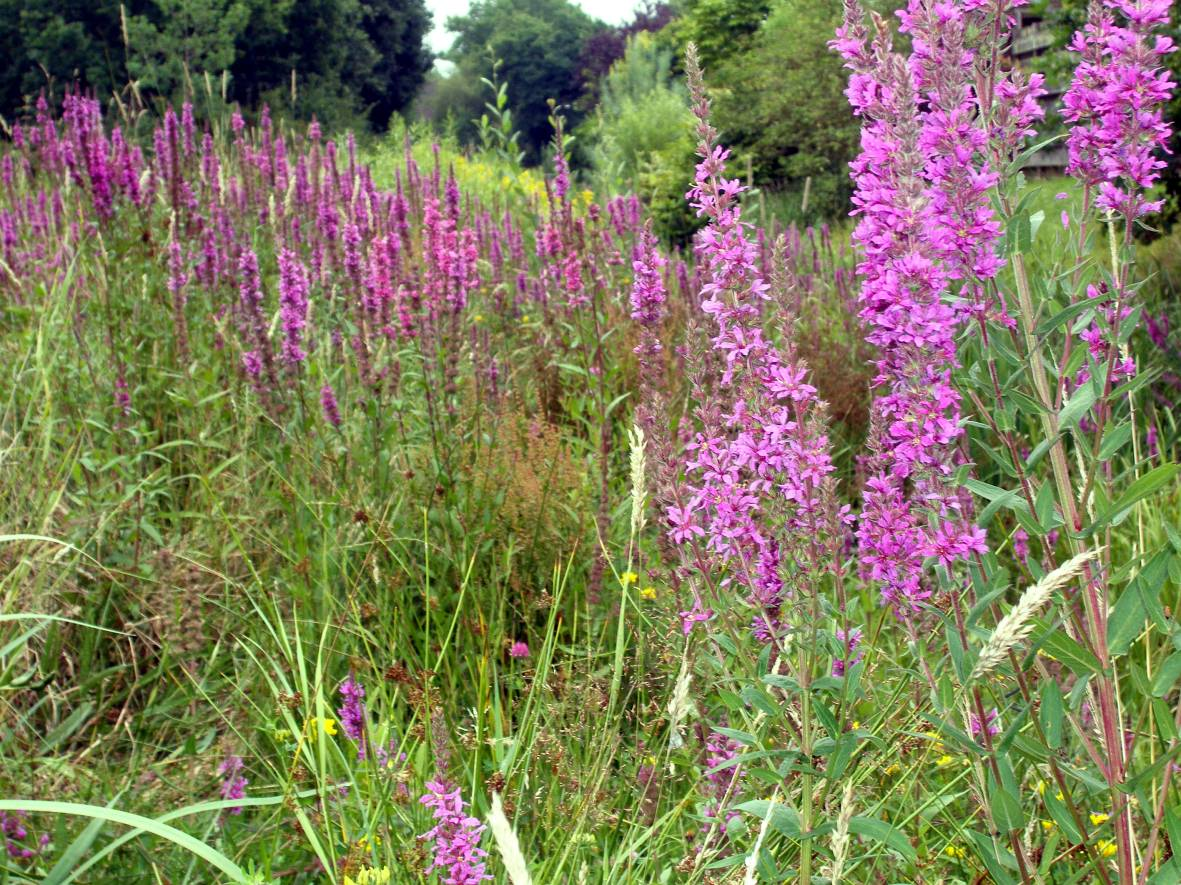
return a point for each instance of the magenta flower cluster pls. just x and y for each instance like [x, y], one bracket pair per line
[928, 237]
[14, 829]
[352, 713]
[766, 456]
[1116, 100]
[289, 225]
[455, 837]
[233, 785]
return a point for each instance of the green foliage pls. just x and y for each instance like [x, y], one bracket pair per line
[782, 103]
[347, 56]
[642, 135]
[540, 42]
[189, 37]
[720, 28]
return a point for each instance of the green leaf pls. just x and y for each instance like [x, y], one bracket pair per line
[880, 831]
[1167, 675]
[1139, 601]
[1077, 406]
[146, 824]
[1143, 487]
[1051, 713]
[1114, 440]
[743, 737]
[783, 818]
[1006, 810]
[1062, 648]
[1061, 814]
[996, 859]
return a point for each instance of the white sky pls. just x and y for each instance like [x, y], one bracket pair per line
[611, 11]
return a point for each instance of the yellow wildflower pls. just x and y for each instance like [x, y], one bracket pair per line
[893, 768]
[629, 577]
[1098, 817]
[648, 593]
[329, 725]
[956, 851]
[1048, 825]
[1106, 848]
[369, 876]
[1040, 788]
[944, 760]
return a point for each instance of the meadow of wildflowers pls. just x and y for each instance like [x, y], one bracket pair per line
[381, 514]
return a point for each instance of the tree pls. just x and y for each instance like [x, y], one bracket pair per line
[539, 42]
[783, 102]
[345, 54]
[197, 36]
[642, 135]
[721, 29]
[397, 29]
[607, 44]
[58, 42]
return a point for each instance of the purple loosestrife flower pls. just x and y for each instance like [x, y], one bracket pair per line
[122, 395]
[329, 405]
[991, 723]
[648, 294]
[293, 305]
[250, 291]
[766, 461]
[850, 642]
[351, 713]
[233, 785]
[455, 836]
[178, 277]
[15, 832]
[720, 786]
[915, 237]
[1116, 100]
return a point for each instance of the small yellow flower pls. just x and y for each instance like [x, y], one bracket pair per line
[944, 760]
[629, 577]
[479, 318]
[956, 851]
[1040, 788]
[1048, 825]
[365, 844]
[1059, 796]
[648, 593]
[1106, 848]
[329, 725]
[369, 876]
[650, 760]
[893, 768]
[856, 725]
[1098, 817]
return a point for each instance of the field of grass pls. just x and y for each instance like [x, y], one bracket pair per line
[333, 481]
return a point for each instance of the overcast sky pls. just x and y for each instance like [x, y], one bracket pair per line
[610, 11]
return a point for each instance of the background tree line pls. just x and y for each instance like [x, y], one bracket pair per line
[353, 60]
[777, 89]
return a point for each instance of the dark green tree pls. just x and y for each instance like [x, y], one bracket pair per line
[397, 30]
[346, 55]
[721, 29]
[540, 43]
[179, 36]
[782, 102]
[50, 44]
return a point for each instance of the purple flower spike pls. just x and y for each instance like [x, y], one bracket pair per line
[456, 836]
